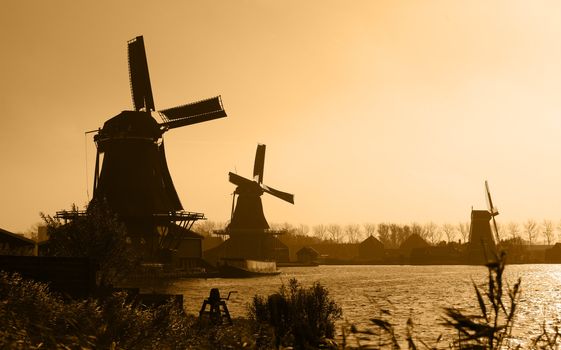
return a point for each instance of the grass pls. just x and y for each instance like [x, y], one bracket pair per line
[295, 317]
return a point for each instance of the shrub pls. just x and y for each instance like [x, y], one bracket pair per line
[301, 317]
[33, 317]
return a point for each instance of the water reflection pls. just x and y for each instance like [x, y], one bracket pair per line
[420, 292]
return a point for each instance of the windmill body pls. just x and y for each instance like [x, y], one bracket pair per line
[482, 247]
[249, 231]
[131, 172]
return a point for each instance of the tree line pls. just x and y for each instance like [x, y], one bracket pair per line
[392, 234]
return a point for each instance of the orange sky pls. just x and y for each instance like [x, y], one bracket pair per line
[371, 110]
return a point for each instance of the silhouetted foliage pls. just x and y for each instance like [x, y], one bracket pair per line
[97, 235]
[492, 328]
[301, 317]
[32, 318]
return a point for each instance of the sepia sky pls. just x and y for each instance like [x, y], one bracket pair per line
[372, 111]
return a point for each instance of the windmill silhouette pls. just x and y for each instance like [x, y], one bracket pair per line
[249, 232]
[482, 247]
[247, 213]
[131, 172]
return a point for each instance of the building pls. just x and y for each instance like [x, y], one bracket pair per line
[307, 255]
[371, 250]
[14, 244]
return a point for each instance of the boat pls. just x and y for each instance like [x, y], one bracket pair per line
[239, 267]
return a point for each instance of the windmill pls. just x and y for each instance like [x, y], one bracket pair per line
[248, 230]
[131, 172]
[247, 212]
[492, 210]
[482, 245]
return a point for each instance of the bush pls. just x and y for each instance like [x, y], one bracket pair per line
[32, 317]
[299, 317]
[97, 235]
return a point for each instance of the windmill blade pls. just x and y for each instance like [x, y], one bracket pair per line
[492, 209]
[193, 120]
[259, 165]
[288, 197]
[141, 89]
[193, 109]
[496, 230]
[239, 180]
[193, 113]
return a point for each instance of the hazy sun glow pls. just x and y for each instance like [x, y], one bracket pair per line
[371, 110]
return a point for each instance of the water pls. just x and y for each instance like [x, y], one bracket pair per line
[419, 292]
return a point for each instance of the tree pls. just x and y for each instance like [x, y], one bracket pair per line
[449, 231]
[384, 235]
[320, 231]
[302, 230]
[335, 232]
[431, 232]
[530, 228]
[463, 229]
[353, 233]
[513, 230]
[418, 230]
[547, 227]
[97, 235]
[205, 227]
[369, 229]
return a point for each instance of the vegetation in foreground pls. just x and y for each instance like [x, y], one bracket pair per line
[294, 317]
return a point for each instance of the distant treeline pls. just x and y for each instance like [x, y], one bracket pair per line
[392, 235]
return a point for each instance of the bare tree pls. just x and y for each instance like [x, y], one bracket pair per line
[449, 231]
[353, 233]
[547, 227]
[530, 228]
[513, 230]
[417, 229]
[204, 227]
[432, 233]
[463, 229]
[335, 232]
[320, 231]
[302, 230]
[369, 229]
[384, 235]
[33, 231]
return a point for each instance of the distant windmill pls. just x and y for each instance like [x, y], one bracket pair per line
[247, 212]
[134, 178]
[482, 245]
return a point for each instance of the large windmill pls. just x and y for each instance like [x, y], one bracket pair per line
[482, 245]
[250, 234]
[131, 172]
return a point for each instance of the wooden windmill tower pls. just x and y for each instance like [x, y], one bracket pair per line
[247, 213]
[249, 231]
[482, 245]
[131, 172]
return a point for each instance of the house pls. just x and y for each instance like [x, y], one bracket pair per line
[185, 247]
[371, 249]
[307, 255]
[14, 244]
[412, 242]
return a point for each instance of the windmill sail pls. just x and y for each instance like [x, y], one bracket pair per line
[259, 165]
[141, 89]
[288, 197]
[492, 210]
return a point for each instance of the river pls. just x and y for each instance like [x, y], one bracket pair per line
[419, 292]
